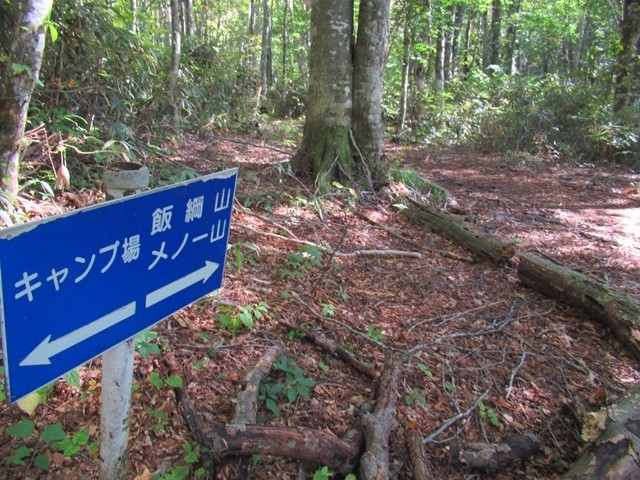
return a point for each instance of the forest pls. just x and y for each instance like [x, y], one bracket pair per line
[433, 258]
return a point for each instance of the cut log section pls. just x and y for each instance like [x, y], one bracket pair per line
[611, 307]
[615, 453]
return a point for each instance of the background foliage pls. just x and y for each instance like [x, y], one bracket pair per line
[531, 76]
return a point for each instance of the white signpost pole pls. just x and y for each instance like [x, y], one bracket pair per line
[117, 363]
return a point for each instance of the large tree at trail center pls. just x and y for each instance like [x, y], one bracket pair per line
[19, 76]
[343, 129]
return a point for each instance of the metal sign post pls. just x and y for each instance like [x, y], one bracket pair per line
[120, 180]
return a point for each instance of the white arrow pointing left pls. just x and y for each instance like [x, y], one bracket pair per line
[48, 348]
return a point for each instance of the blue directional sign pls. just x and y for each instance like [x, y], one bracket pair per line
[75, 285]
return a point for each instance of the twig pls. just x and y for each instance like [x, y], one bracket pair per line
[455, 418]
[515, 372]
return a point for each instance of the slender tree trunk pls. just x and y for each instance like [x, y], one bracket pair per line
[133, 6]
[458, 16]
[253, 17]
[369, 62]
[511, 38]
[439, 61]
[627, 92]
[496, 25]
[284, 58]
[188, 17]
[265, 57]
[172, 90]
[406, 63]
[325, 152]
[20, 77]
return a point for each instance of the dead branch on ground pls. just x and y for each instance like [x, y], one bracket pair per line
[332, 348]
[374, 463]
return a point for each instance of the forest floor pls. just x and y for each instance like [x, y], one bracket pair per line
[471, 327]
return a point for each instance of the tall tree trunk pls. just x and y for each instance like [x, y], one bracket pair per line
[325, 151]
[511, 38]
[253, 17]
[439, 61]
[406, 63]
[172, 90]
[188, 17]
[496, 26]
[458, 16]
[369, 62]
[627, 92]
[284, 57]
[133, 6]
[20, 77]
[265, 57]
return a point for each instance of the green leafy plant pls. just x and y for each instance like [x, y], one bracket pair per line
[423, 368]
[233, 318]
[375, 333]
[488, 414]
[300, 262]
[52, 436]
[240, 257]
[415, 396]
[295, 385]
[147, 343]
[161, 417]
[157, 381]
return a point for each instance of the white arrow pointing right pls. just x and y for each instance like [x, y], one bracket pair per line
[200, 275]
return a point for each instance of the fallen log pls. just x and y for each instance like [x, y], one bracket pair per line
[615, 452]
[611, 307]
[377, 426]
[297, 443]
[493, 456]
[450, 227]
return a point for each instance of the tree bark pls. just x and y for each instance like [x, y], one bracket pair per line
[615, 452]
[614, 309]
[325, 152]
[17, 86]
[368, 69]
